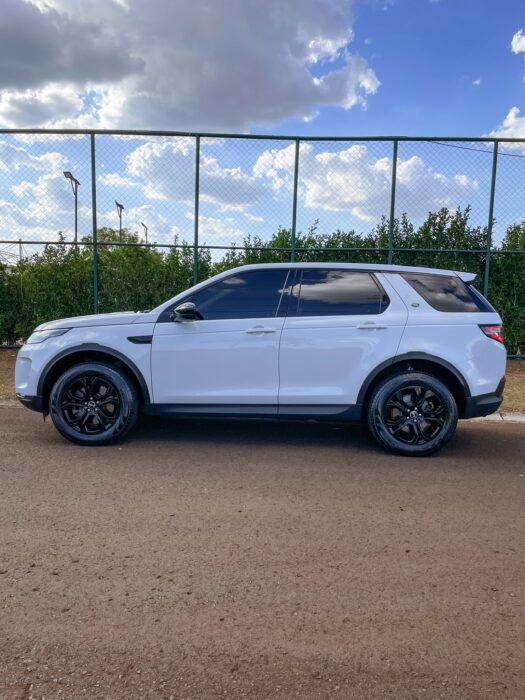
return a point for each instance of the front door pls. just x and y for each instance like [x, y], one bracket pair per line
[231, 356]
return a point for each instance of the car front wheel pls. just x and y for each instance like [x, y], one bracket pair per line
[413, 413]
[94, 404]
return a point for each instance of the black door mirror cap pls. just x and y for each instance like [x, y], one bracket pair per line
[187, 311]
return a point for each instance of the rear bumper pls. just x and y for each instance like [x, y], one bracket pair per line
[35, 403]
[485, 404]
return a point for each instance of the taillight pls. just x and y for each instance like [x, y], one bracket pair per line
[495, 332]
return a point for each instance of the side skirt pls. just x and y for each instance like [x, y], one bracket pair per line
[335, 412]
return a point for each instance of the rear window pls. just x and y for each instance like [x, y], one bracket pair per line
[447, 292]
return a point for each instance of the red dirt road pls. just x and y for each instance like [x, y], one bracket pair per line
[260, 560]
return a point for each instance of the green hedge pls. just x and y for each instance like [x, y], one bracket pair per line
[58, 282]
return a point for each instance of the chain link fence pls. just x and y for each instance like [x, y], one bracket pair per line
[217, 200]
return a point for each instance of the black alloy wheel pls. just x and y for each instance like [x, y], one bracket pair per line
[94, 403]
[413, 413]
[90, 404]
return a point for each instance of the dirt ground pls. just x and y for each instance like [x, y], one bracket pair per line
[515, 387]
[260, 560]
[7, 372]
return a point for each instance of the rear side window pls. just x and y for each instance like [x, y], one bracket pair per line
[447, 292]
[337, 293]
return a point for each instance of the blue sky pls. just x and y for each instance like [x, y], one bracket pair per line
[427, 56]
[300, 67]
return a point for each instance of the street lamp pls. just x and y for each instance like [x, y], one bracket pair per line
[145, 231]
[120, 207]
[74, 186]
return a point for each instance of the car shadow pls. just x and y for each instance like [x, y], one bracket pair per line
[476, 443]
[225, 431]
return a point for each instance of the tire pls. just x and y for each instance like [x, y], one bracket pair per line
[94, 404]
[413, 414]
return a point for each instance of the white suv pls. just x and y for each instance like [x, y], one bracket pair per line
[407, 349]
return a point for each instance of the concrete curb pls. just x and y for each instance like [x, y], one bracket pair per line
[8, 402]
[498, 417]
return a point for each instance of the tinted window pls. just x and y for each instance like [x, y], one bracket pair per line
[254, 294]
[447, 292]
[483, 304]
[338, 293]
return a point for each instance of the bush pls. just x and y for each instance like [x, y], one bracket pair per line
[59, 281]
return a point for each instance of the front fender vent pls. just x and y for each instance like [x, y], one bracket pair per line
[140, 339]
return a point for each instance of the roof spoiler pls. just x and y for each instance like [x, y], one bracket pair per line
[466, 276]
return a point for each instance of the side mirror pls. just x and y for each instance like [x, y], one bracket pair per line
[186, 312]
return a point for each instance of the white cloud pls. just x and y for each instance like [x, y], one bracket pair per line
[163, 169]
[116, 180]
[18, 223]
[30, 218]
[518, 42]
[26, 108]
[184, 66]
[158, 225]
[477, 82]
[40, 44]
[168, 171]
[46, 198]
[353, 180]
[214, 231]
[48, 138]
[13, 158]
[513, 126]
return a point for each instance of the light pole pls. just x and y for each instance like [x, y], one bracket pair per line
[74, 186]
[120, 207]
[145, 231]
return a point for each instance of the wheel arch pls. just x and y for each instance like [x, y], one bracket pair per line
[89, 352]
[418, 361]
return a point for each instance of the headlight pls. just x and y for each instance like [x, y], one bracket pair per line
[40, 336]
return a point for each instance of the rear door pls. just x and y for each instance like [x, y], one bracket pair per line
[341, 324]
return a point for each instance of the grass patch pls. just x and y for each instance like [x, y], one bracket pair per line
[514, 391]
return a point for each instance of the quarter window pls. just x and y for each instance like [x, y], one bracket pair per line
[447, 292]
[338, 293]
[253, 294]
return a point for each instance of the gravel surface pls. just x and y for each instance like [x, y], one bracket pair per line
[260, 560]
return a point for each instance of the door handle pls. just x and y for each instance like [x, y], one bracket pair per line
[371, 327]
[259, 329]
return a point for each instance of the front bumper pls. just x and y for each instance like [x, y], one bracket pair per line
[485, 404]
[35, 403]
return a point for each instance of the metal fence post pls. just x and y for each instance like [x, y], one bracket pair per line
[95, 232]
[294, 203]
[392, 205]
[491, 217]
[196, 211]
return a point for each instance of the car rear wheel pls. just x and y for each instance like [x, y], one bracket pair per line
[94, 404]
[413, 413]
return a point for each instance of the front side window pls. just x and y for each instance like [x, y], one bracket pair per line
[253, 294]
[447, 292]
[337, 293]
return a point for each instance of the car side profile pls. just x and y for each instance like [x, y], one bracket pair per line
[408, 350]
